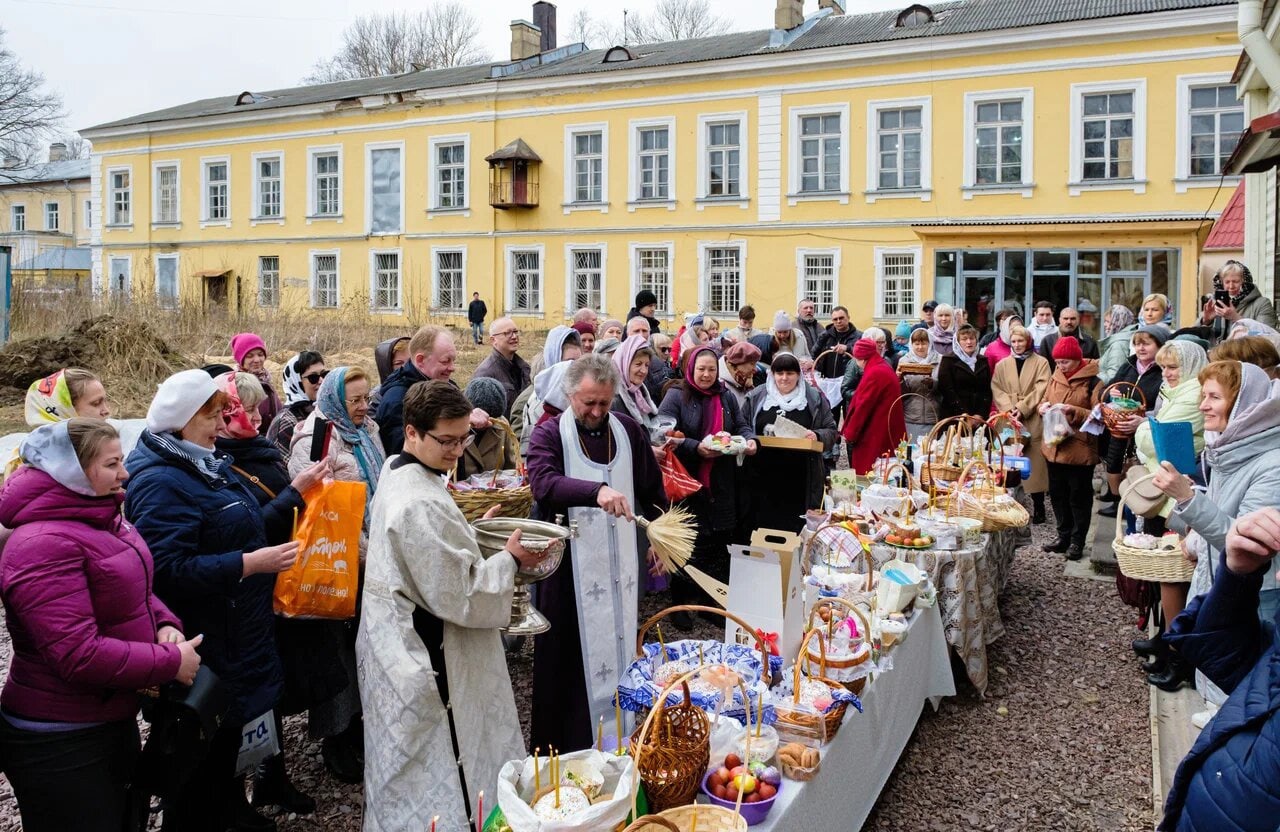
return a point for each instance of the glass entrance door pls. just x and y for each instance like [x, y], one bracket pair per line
[980, 269]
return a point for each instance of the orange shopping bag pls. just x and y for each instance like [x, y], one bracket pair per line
[324, 580]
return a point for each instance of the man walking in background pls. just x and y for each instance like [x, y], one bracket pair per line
[476, 313]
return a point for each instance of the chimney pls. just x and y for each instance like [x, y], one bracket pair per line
[526, 40]
[544, 17]
[57, 152]
[836, 6]
[789, 14]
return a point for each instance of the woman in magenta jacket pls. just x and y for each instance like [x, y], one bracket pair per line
[87, 632]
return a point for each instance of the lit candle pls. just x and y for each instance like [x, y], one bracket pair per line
[537, 772]
[433, 823]
[555, 774]
[480, 812]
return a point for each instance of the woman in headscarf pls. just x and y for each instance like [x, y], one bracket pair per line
[632, 360]
[1244, 301]
[964, 379]
[66, 394]
[1000, 347]
[919, 407]
[341, 431]
[1142, 371]
[302, 376]
[563, 344]
[785, 394]
[874, 423]
[701, 408]
[250, 354]
[1118, 326]
[586, 335]
[942, 333]
[738, 369]
[693, 335]
[1018, 384]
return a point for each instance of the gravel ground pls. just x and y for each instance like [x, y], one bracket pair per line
[1072, 751]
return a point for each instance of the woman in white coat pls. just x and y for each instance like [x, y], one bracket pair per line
[440, 715]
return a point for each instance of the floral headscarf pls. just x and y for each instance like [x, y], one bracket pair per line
[331, 403]
[293, 390]
[49, 400]
[235, 421]
[1118, 317]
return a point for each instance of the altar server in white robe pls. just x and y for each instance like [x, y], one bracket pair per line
[440, 717]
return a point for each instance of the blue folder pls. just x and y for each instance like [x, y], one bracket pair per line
[1174, 443]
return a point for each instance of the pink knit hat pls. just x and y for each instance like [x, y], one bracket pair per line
[245, 343]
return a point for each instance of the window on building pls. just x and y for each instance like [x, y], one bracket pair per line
[18, 217]
[167, 280]
[526, 280]
[724, 156]
[1108, 135]
[270, 187]
[450, 291]
[386, 280]
[451, 175]
[51, 216]
[384, 190]
[653, 272]
[1217, 119]
[818, 280]
[897, 284]
[120, 197]
[998, 143]
[898, 143]
[216, 187]
[120, 272]
[588, 167]
[722, 270]
[586, 279]
[820, 153]
[327, 184]
[654, 163]
[268, 281]
[324, 281]
[88, 213]
[167, 194]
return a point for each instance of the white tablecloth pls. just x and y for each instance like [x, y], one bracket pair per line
[858, 762]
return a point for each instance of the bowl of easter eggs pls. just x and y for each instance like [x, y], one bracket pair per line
[756, 784]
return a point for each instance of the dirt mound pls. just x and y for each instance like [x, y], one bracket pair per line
[106, 344]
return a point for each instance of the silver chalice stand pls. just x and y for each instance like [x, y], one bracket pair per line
[492, 534]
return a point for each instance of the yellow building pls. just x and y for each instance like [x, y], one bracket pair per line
[981, 152]
[46, 217]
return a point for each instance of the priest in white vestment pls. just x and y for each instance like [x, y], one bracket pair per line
[597, 468]
[439, 714]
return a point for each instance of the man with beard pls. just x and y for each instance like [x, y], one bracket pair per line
[1069, 327]
[806, 323]
[598, 469]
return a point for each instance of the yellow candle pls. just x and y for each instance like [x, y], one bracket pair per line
[617, 716]
[295, 521]
[699, 655]
[555, 773]
[662, 646]
[600, 734]
[693, 826]
[537, 772]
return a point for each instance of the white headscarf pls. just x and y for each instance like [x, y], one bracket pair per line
[797, 399]
[1191, 358]
[49, 449]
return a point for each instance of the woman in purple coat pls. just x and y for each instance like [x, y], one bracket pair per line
[87, 632]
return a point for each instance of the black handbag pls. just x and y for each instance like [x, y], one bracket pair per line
[183, 721]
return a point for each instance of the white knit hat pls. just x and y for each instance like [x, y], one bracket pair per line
[178, 398]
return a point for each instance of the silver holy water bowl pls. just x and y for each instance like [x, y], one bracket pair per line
[491, 536]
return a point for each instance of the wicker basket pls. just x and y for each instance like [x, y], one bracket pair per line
[951, 429]
[514, 502]
[979, 503]
[746, 628]
[673, 754]
[1156, 565]
[680, 819]
[806, 554]
[856, 686]
[812, 725]
[1112, 415]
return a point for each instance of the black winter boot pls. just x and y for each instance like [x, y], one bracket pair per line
[1177, 674]
[1037, 513]
[272, 787]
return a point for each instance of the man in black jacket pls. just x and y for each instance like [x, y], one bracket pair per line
[840, 336]
[1069, 326]
[806, 322]
[476, 313]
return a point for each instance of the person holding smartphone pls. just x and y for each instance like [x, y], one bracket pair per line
[1235, 297]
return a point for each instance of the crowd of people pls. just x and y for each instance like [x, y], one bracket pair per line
[140, 559]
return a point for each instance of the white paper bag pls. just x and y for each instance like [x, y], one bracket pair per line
[516, 786]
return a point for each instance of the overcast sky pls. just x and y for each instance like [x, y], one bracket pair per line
[114, 58]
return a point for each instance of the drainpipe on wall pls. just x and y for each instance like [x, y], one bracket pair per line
[1256, 43]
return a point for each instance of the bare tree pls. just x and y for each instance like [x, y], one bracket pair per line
[27, 109]
[677, 20]
[77, 147]
[445, 34]
[594, 33]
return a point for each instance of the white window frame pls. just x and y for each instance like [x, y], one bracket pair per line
[634, 250]
[703, 190]
[634, 200]
[704, 293]
[433, 175]
[128, 273]
[880, 252]
[1076, 183]
[205, 220]
[14, 212]
[436, 251]
[570, 180]
[258, 217]
[569, 250]
[373, 281]
[88, 214]
[109, 213]
[801, 275]
[369, 148]
[795, 114]
[279, 282]
[177, 282]
[1183, 180]
[509, 259]
[1026, 186]
[57, 216]
[312, 194]
[924, 193]
[312, 255]
[156, 220]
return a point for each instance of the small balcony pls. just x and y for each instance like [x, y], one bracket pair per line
[513, 194]
[513, 176]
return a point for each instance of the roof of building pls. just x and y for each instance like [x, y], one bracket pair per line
[958, 17]
[1228, 229]
[46, 172]
[77, 259]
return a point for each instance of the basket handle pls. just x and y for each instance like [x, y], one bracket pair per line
[658, 616]
[888, 417]
[848, 605]
[1133, 388]
[821, 356]
[657, 820]
[804, 652]
[865, 555]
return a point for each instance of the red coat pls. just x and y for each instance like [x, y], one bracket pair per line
[874, 423]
